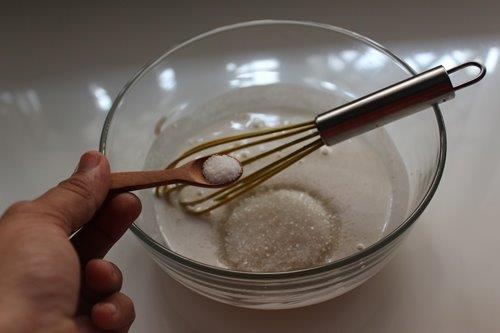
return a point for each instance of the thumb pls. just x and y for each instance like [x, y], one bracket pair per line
[75, 201]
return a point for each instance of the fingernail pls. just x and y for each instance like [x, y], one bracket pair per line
[89, 161]
[115, 273]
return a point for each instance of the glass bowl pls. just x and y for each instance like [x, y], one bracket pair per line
[268, 55]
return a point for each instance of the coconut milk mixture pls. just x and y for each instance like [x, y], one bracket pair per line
[331, 204]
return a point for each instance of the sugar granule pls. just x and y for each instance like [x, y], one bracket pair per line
[325, 150]
[278, 230]
[360, 246]
[221, 169]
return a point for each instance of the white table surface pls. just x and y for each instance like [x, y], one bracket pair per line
[61, 66]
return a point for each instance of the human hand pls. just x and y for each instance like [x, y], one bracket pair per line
[50, 283]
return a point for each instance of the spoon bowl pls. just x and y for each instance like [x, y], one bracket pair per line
[190, 173]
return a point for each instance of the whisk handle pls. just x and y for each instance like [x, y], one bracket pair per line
[391, 103]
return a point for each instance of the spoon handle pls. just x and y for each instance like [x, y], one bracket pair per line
[137, 180]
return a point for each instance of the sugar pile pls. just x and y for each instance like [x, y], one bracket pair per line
[278, 230]
[221, 169]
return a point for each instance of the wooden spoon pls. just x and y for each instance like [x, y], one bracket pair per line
[190, 173]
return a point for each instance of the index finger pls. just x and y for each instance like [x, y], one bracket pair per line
[96, 238]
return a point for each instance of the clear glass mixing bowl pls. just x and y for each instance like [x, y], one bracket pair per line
[267, 54]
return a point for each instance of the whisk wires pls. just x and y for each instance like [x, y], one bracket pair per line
[247, 183]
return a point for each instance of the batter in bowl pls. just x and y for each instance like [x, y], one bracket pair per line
[329, 205]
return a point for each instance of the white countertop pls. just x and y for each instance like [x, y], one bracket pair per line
[61, 66]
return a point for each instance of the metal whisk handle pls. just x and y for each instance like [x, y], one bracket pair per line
[391, 103]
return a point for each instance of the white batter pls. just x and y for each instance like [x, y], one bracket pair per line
[341, 198]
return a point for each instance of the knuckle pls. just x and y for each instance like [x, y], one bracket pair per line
[80, 186]
[20, 207]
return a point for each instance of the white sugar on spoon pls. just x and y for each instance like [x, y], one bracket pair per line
[221, 169]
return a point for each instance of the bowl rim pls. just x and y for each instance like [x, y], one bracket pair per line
[380, 244]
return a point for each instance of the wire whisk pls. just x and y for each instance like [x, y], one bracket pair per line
[248, 182]
[354, 118]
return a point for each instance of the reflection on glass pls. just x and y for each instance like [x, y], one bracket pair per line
[28, 102]
[166, 79]
[103, 101]
[267, 120]
[33, 100]
[255, 79]
[258, 65]
[461, 55]
[349, 94]
[447, 61]
[424, 58]
[255, 73]
[371, 59]
[492, 59]
[183, 105]
[328, 85]
[349, 55]
[335, 63]
[230, 66]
